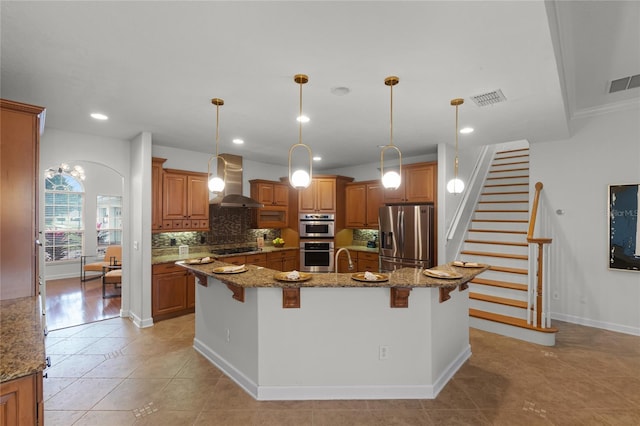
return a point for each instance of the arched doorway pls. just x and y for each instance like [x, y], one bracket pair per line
[82, 217]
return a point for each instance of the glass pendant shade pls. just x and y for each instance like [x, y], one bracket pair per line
[216, 184]
[300, 177]
[390, 178]
[455, 186]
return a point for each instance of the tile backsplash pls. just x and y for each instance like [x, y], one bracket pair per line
[227, 226]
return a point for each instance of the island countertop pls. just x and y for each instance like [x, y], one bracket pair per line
[22, 343]
[256, 276]
[201, 252]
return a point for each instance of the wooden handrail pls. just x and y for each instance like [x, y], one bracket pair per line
[540, 242]
[534, 212]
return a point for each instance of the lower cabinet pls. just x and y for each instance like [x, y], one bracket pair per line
[283, 260]
[172, 291]
[362, 262]
[21, 402]
[249, 259]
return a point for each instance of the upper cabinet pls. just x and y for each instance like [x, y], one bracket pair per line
[156, 191]
[324, 195]
[318, 197]
[275, 197]
[363, 199]
[270, 193]
[418, 184]
[185, 199]
[19, 154]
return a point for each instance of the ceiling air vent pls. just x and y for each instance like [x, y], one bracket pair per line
[489, 98]
[625, 83]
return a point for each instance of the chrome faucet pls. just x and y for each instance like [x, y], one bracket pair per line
[348, 255]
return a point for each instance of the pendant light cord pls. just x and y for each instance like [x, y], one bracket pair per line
[391, 117]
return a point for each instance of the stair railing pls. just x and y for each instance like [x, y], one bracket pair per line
[538, 300]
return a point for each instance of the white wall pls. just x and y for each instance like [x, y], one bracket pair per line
[136, 299]
[603, 150]
[371, 171]
[197, 162]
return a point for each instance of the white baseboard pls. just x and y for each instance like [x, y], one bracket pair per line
[139, 322]
[234, 374]
[635, 331]
[298, 393]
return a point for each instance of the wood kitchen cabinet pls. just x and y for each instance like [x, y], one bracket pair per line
[172, 291]
[362, 262]
[325, 194]
[185, 201]
[319, 197]
[418, 184]
[283, 260]
[363, 199]
[270, 193]
[275, 197]
[156, 193]
[21, 401]
[19, 155]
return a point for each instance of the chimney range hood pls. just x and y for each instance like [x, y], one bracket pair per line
[232, 194]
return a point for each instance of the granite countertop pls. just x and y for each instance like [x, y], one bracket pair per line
[22, 343]
[256, 276]
[206, 252]
[360, 248]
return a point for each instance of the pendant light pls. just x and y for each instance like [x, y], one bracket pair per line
[455, 185]
[391, 179]
[300, 178]
[216, 183]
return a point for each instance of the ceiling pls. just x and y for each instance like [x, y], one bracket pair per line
[154, 66]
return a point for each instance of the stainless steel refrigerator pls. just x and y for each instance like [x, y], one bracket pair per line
[406, 237]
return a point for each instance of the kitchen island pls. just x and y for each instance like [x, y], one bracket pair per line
[332, 337]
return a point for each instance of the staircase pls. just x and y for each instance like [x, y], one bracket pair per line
[498, 237]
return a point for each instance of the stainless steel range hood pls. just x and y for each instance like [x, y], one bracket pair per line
[232, 194]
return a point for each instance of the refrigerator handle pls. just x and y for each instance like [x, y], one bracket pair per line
[386, 241]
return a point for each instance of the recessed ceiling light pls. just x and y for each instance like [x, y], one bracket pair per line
[238, 141]
[99, 116]
[317, 158]
[466, 130]
[303, 119]
[340, 91]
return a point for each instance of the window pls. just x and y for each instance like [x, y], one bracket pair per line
[108, 221]
[63, 213]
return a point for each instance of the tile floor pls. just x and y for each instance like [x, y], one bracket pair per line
[111, 373]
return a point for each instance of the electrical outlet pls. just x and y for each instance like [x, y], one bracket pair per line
[228, 335]
[384, 352]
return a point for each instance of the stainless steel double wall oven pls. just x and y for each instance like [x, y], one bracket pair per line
[317, 231]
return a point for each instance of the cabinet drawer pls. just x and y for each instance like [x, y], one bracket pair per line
[234, 260]
[367, 256]
[280, 255]
[165, 268]
[252, 259]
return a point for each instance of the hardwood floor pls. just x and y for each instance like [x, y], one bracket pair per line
[70, 304]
